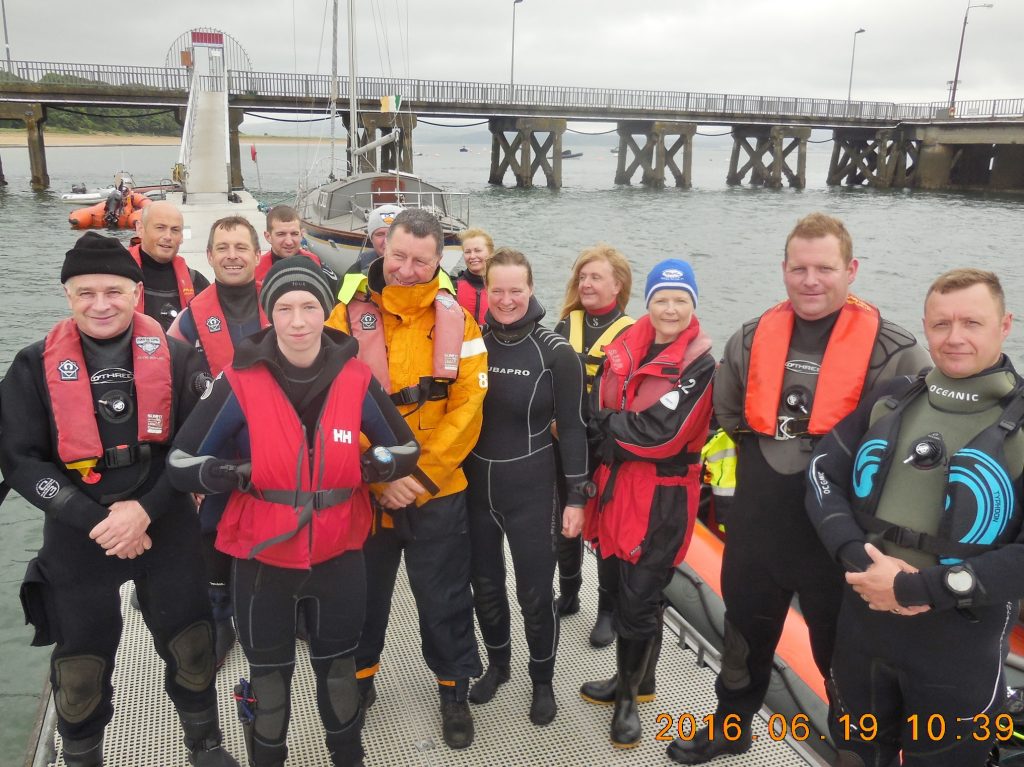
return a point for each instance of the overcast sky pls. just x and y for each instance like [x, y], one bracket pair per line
[766, 47]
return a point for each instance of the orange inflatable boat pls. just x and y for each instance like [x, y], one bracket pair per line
[119, 211]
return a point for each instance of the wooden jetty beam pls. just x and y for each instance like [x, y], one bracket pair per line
[880, 158]
[34, 116]
[654, 156]
[396, 156]
[527, 153]
[771, 141]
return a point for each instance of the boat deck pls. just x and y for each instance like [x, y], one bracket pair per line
[403, 727]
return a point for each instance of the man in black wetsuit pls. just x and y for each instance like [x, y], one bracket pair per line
[169, 283]
[214, 322]
[917, 494]
[88, 417]
[787, 377]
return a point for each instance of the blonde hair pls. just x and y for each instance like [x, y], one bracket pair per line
[621, 271]
[468, 234]
[816, 225]
[961, 279]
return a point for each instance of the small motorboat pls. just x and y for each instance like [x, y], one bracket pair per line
[568, 154]
[464, 149]
[120, 210]
[81, 195]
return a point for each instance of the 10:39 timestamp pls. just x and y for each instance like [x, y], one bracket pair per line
[984, 728]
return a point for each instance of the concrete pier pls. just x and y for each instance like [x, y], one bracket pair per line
[770, 141]
[235, 118]
[34, 116]
[966, 156]
[655, 155]
[526, 153]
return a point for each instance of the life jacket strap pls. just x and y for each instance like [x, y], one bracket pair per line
[317, 500]
[427, 390]
[122, 456]
[907, 538]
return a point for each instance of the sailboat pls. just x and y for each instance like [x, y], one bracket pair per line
[334, 214]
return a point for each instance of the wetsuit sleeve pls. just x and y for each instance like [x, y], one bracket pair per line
[562, 328]
[730, 385]
[448, 444]
[28, 455]
[383, 425]
[567, 372]
[211, 435]
[662, 430]
[190, 381]
[896, 353]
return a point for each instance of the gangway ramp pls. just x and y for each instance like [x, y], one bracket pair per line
[403, 728]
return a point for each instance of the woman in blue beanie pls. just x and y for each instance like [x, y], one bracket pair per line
[651, 406]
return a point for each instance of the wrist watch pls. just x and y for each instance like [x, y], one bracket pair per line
[960, 582]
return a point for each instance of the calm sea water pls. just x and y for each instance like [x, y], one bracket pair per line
[732, 236]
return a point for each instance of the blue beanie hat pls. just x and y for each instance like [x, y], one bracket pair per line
[671, 273]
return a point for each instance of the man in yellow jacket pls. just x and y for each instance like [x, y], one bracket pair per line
[428, 354]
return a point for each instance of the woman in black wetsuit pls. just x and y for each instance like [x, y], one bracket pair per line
[534, 378]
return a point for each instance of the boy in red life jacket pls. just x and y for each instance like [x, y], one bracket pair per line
[293, 406]
[213, 323]
[88, 417]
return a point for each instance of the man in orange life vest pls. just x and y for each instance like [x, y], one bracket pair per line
[786, 378]
[88, 419]
[214, 322]
[284, 233]
[169, 284]
[428, 354]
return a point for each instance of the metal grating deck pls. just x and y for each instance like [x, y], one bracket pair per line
[403, 727]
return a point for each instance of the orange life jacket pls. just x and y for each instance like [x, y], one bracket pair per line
[186, 291]
[212, 329]
[74, 412]
[841, 376]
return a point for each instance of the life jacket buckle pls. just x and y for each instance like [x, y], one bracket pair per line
[905, 537]
[120, 456]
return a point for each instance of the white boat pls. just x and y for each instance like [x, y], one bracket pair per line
[79, 195]
[334, 213]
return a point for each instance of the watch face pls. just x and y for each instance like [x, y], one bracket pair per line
[959, 581]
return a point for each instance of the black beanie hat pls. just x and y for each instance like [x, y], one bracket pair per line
[96, 254]
[295, 273]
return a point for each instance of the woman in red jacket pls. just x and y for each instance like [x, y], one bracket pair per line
[477, 249]
[651, 406]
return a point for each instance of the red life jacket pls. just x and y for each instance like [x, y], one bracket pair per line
[841, 377]
[621, 523]
[186, 291]
[366, 325]
[472, 298]
[74, 412]
[266, 261]
[280, 454]
[212, 329]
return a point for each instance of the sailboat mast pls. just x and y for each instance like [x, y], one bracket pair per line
[334, 81]
[353, 128]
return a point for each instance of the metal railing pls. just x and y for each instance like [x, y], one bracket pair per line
[603, 102]
[180, 174]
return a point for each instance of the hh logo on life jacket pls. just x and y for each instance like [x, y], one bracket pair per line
[148, 344]
[68, 370]
[344, 436]
[368, 322]
[213, 325]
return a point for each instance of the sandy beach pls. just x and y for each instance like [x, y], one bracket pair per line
[15, 137]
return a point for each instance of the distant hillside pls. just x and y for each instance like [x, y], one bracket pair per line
[99, 119]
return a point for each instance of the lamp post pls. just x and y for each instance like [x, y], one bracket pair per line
[960, 53]
[853, 54]
[512, 72]
[7, 40]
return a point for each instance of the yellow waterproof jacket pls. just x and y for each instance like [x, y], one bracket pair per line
[719, 457]
[447, 429]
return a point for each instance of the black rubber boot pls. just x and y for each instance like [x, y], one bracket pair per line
[631, 656]
[543, 707]
[203, 739]
[486, 686]
[267, 754]
[87, 752]
[367, 693]
[346, 745]
[456, 719]
[701, 748]
[567, 604]
[603, 634]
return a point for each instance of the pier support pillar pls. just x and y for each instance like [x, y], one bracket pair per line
[934, 165]
[3, 181]
[235, 117]
[778, 143]
[396, 156]
[880, 158]
[1007, 167]
[655, 155]
[34, 116]
[527, 152]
